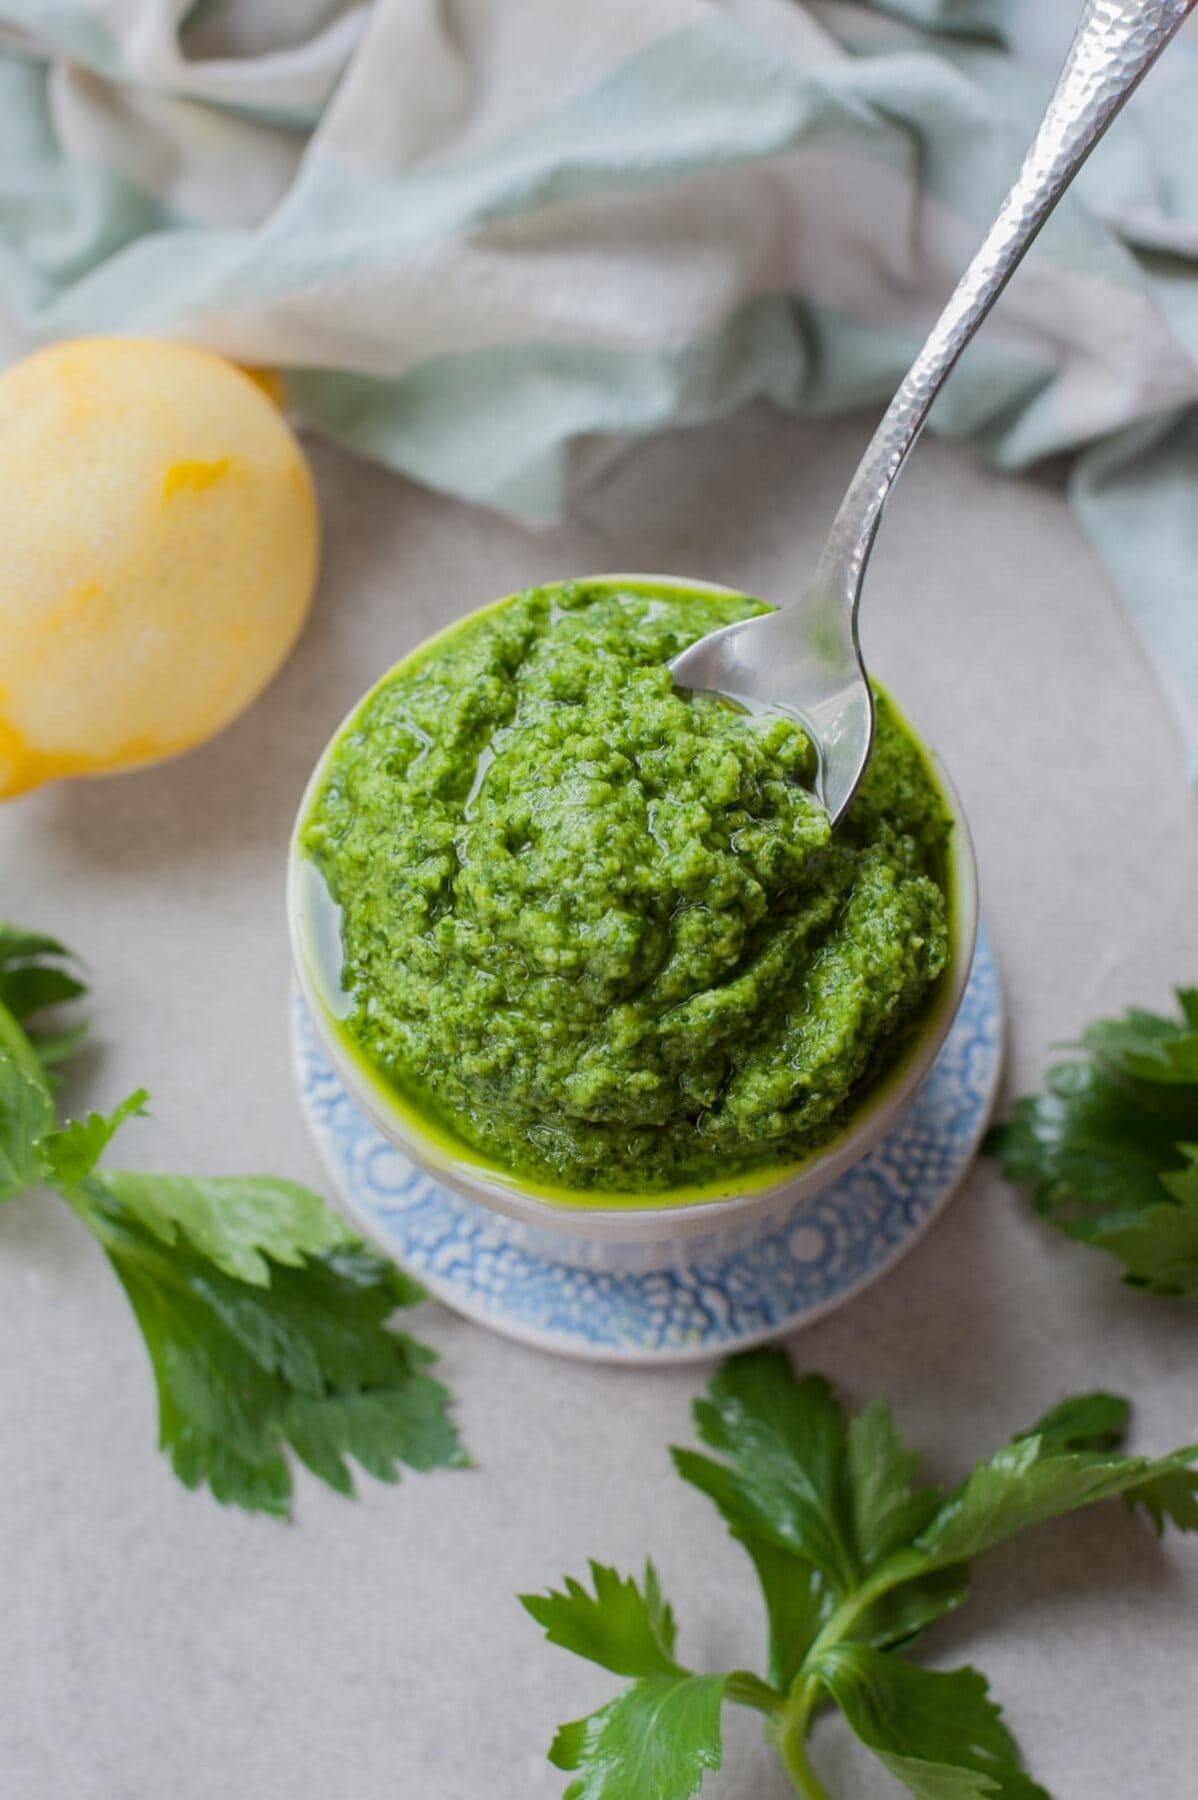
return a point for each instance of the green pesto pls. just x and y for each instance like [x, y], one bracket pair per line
[600, 931]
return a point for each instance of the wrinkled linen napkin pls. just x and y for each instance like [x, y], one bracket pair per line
[476, 232]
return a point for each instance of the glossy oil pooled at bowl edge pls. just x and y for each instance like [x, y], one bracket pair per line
[629, 961]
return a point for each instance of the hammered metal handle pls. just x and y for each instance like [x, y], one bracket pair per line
[1116, 44]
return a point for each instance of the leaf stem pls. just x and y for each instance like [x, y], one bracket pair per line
[790, 1734]
[846, 1615]
[793, 1752]
[749, 1690]
[904, 1565]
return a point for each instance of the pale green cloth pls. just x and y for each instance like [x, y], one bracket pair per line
[484, 238]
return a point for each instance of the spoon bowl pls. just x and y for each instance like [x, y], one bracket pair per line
[803, 660]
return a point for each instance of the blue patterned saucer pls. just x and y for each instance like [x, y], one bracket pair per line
[808, 1260]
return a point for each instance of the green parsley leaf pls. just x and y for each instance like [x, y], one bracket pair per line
[1159, 1246]
[30, 967]
[1031, 1481]
[658, 1738]
[1110, 1149]
[26, 1115]
[33, 980]
[661, 1734]
[54, 1047]
[623, 1627]
[937, 1733]
[798, 1602]
[16, 1046]
[17, 944]
[1148, 1046]
[1169, 1497]
[307, 1361]
[783, 1493]
[34, 987]
[1084, 1422]
[266, 1322]
[887, 1509]
[853, 1558]
[237, 1221]
[788, 1478]
[72, 1153]
[816, 1505]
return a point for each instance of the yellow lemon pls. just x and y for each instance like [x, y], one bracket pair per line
[158, 548]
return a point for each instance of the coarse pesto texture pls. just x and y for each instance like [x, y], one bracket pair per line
[599, 930]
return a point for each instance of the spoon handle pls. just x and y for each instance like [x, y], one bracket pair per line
[1116, 44]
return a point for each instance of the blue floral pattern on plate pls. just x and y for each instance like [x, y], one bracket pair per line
[805, 1262]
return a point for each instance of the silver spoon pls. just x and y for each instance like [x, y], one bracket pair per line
[806, 658]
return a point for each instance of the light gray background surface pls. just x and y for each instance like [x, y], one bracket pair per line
[151, 1644]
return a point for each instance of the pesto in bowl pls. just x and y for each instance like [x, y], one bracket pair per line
[598, 932]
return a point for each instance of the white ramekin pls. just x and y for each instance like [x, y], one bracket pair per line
[625, 1237]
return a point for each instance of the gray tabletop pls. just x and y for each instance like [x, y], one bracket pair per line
[153, 1644]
